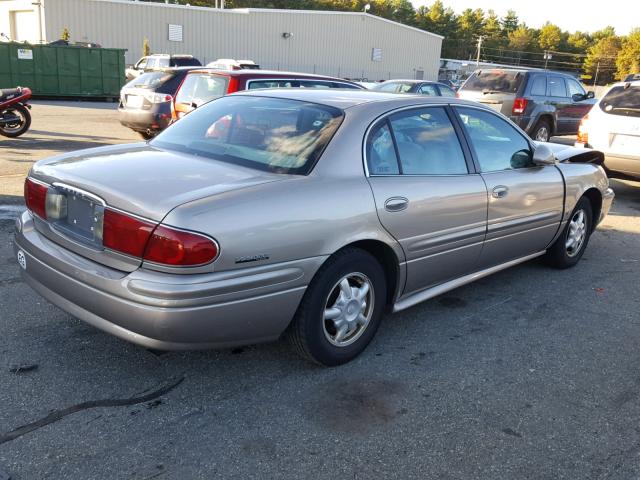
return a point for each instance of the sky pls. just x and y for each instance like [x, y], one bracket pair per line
[571, 15]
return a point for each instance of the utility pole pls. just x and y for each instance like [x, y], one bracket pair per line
[480, 38]
[595, 79]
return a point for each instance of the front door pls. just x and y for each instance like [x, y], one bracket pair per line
[425, 196]
[526, 202]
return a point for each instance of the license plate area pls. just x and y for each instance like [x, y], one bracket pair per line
[81, 218]
[134, 101]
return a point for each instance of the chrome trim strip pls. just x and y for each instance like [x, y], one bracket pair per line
[428, 293]
[521, 221]
[79, 191]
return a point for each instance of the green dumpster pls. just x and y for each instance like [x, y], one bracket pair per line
[62, 71]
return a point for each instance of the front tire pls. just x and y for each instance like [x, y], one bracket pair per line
[542, 131]
[19, 127]
[572, 242]
[341, 309]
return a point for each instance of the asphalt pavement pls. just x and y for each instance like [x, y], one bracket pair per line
[532, 373]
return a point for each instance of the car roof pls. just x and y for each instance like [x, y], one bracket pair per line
[254, 73]
[347, 98]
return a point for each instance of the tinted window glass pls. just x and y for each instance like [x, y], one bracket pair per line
[150, 80]
[427, 143]
[574, 88]
[622, 101]
[270, 84]
[270, 134]
[427, 89]
[345, 85]
[446, 91]
[381, 155]
[185, 62]
[539, 86]
[497, 144]
[201, 88]
[494, 81]
[314, 84]
[387, 87]
[555, 87]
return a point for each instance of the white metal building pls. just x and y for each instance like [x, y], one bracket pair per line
[344, 44]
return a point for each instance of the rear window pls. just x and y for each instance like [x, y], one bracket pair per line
[201, 88]
[255, 84]
[185, 62]
[269, 134]
[151, 80]
[622, 100]
[498, 81]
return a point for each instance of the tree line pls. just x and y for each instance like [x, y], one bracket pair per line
[601, 55]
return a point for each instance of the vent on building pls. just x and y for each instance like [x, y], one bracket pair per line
[376, 55]
[175, 33]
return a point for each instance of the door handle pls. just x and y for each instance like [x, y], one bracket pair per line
[396, 204]
[499, 192]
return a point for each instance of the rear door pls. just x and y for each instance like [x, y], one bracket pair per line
[557, 96]
[425, 195]
[526, 202]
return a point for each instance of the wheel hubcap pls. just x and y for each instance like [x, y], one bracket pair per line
[542, 135]
[348, 309]
[576, 233]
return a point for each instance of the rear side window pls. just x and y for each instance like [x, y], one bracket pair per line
[201, 88]
[446, 91]
[254, 84]
[314, 84]
[555, 87]
[498, 81]
[268, 134]
[429, 90]
[387, 87]
[497, 144]
[427, 143]
[381, 153]
[539, 86]
[622, 100]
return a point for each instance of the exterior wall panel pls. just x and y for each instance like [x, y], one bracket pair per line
[329, 43]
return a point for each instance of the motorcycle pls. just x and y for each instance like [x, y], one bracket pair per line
[15, 118]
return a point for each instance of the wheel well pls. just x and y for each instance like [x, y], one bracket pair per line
[549, 119]
[595, 198]
[387, 258]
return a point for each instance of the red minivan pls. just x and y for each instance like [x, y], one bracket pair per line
[203, 85]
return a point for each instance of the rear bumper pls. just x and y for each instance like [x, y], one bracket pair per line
[166, 311]
[143, 120]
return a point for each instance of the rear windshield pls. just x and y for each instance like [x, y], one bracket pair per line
[498, 81]
[185, 62]
[269, 134]
[151, 80]
[201, 88]
[622, 101]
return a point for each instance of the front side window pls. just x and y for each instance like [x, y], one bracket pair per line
[427, 143]
[269, 134]
[152, 63]
[555, 87]
[575, 88]
[142, 63]
[497, 144]
[430, 90]
[201, 88]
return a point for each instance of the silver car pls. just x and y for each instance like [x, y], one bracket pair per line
[306, 213]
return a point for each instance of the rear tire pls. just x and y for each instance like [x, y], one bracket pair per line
[572, 242]
[17, 129]
[542, 131]
[336, 320]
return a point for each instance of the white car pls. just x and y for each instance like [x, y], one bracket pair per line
[613, 127]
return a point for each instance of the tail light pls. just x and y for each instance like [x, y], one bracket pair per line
[35, 196]
[519, 106]
[156, 243]
[583, 134]
[158, 97]
[170, 246]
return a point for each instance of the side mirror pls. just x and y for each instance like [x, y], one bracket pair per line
[591, 94]
[543, 155]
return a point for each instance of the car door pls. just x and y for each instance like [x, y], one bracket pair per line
[525, 201]
[425, 195]
[557, 96]
[580, 105]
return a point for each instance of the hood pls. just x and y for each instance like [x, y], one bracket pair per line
[145, 180]
[567, 153]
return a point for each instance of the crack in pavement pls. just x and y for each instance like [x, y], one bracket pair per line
[109, 402]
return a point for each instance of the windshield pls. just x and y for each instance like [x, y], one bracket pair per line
[494, 81]
[151, 80]
[622, 100]
[270, 134]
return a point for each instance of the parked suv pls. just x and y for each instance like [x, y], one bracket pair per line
[160, 60]
[145, 102]
[613, 127]
[203, 85]
[542, 103]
